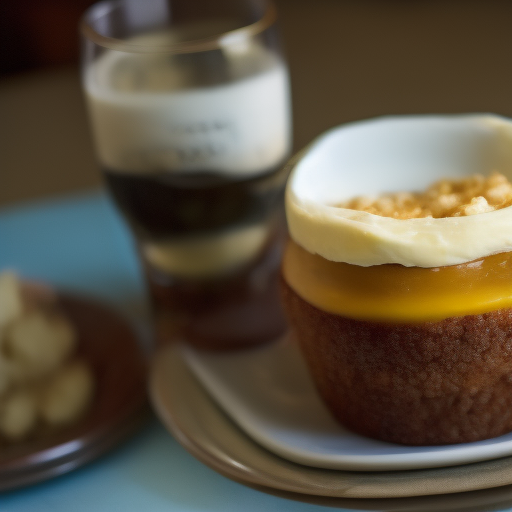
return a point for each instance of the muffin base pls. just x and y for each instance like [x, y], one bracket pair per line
[429, 383]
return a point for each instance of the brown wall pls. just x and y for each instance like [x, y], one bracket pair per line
[349, 59]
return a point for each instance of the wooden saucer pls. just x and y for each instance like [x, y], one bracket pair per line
[119, 409]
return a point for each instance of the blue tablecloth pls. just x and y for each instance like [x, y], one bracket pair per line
[80, 244]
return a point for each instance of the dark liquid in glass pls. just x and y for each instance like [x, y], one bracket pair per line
[165, 204]
[241, 306]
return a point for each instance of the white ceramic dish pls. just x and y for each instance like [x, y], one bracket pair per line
[268, 393]
[201, 426]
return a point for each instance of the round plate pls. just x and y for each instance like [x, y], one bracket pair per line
[267, 390]
[207, 433]
[120, 407]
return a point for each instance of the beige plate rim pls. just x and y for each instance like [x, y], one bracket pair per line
[202, 428]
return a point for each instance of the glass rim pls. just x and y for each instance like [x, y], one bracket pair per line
[215, 42]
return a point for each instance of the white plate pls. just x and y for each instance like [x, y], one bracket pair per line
[268, 393]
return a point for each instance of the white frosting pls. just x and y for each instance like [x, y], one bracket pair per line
[148, 114]
[396, 154]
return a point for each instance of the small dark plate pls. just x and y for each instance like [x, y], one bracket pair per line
[119, 409]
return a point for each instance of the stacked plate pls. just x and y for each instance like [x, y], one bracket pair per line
[255, 417]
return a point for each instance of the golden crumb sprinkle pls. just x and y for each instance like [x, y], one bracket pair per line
[445, 198]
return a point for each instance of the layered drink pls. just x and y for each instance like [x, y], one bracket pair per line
[192, 144]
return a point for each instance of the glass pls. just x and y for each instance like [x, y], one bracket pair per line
[189, 106]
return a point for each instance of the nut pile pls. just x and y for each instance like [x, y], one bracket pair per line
[445, 198]
[41, 381]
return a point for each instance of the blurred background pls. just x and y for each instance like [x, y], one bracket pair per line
[349, 59]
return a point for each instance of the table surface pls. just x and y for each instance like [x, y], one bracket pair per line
[349, 59]
[79, 244]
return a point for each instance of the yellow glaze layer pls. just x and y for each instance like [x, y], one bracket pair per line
[394, 293]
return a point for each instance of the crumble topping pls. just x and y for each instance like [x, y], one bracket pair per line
[445, 198]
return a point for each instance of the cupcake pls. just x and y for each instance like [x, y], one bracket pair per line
[397, 278]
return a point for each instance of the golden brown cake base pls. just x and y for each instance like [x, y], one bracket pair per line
[417, 384]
